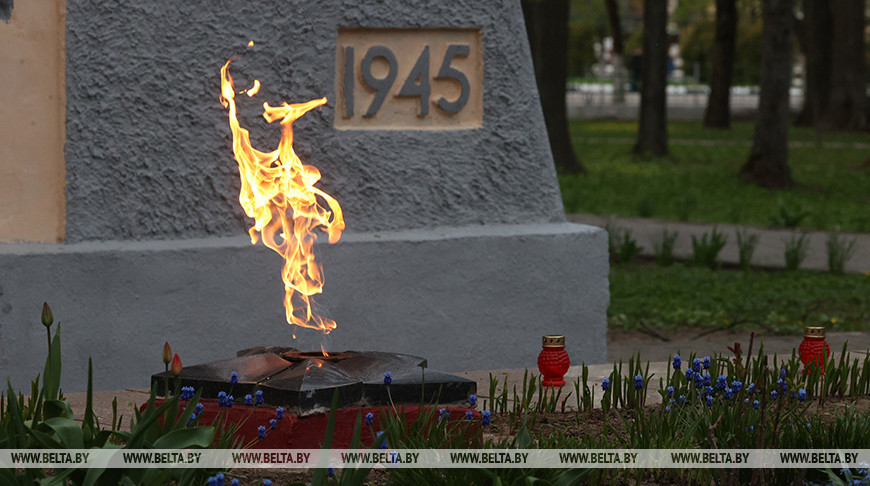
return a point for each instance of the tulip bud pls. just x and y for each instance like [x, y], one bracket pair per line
[47, 315]
[176, 366]
[167, 353]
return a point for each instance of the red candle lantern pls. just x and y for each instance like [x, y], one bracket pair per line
[553, 362]
[814, 349]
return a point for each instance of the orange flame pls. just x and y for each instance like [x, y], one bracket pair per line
[278, 193]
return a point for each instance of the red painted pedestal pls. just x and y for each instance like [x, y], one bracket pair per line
[307, 432]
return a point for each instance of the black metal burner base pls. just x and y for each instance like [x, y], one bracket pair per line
[305, 381]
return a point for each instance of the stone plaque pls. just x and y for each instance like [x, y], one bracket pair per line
[409, 79]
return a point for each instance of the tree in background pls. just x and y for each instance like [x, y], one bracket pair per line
[814, 39]
[831, 36]
[767, 165]
[547, 28]
[619, 70]
[652, 134]
[845, 109]
[718, 113]
[698, 38]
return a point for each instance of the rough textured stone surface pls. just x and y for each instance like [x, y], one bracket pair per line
[463, 298]
[148, 149]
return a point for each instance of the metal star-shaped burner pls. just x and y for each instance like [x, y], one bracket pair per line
[305, 380]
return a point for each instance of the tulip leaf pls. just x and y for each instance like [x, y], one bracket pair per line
[68, 431]
[51, 374]
[184, 438]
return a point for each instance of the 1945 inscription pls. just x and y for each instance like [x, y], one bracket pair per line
[409, 79]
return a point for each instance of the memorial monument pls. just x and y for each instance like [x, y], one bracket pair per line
[432, 139]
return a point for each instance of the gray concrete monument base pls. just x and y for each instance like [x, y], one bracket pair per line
[471, 297]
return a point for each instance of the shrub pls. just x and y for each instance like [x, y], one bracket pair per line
[663, 247]
[746, 244]
[706, 252]
[795, 251]
[840, 250]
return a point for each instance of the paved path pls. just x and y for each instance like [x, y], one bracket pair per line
[769, 253]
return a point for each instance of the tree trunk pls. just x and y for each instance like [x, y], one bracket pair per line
[767, 165]
[816, 43]
[547, 28]
[845, 110]
[652, 135]
[718, 114]
[619, 71]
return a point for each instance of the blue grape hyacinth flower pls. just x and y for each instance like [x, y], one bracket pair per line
[234, 378]
[670, 391]
[249, 400]
[388, 378]
[261, 431]
[605, 384]
[370, 418]
[638, 382]
[756, 404]
[279, 413]
[485, 418]
[678, 361]
[709, 400]
[707, 362]
[273, 424]
[469, 415]
[259, 397]
[802, 395]
[472, 400]
[696, 365]
[773, 394]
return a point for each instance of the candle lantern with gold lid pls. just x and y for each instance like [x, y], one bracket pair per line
[553, 362]
[814, 349]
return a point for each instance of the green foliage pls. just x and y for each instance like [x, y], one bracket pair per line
[696, 43]
[746, 244]
[784, 302]
[695, 47]
[705, 252]
[699, 181]
[621, 245]
[46, 421]
[840, 250]
[788, 215]
[744, 416]
[646, 208]
[581, 53]
[684, 207]
[663, 248]
[795, 251]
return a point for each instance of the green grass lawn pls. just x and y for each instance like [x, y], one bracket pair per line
[782, 302]
[698, 181]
